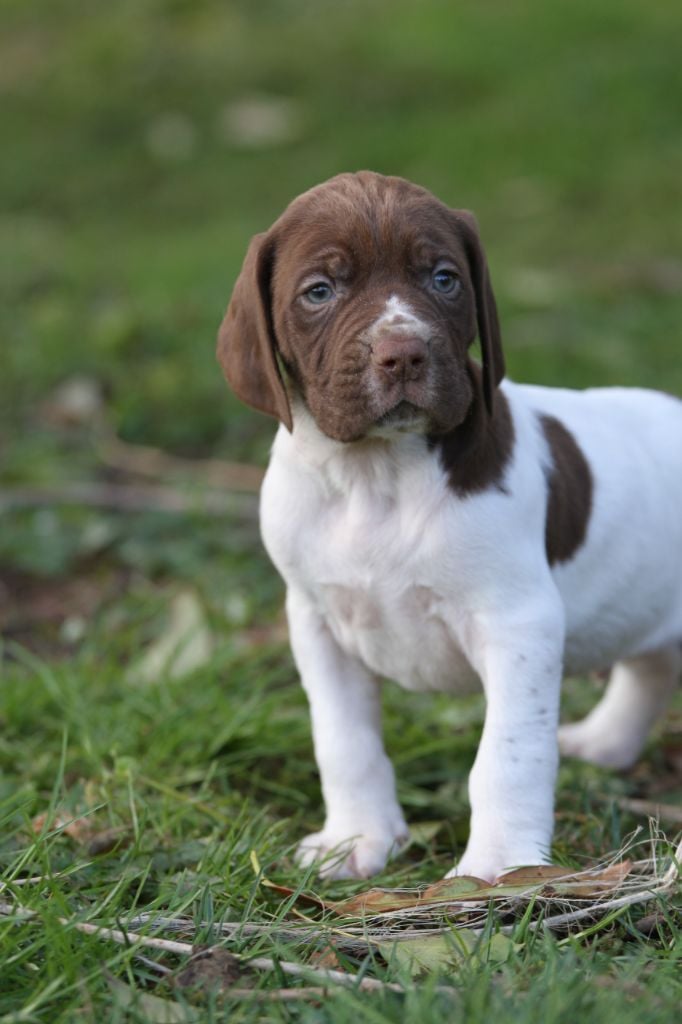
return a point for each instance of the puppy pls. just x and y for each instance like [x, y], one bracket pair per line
[441, 526]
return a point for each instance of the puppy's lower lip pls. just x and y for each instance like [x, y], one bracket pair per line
[403, 412]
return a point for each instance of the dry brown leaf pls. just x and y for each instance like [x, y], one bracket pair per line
[82, 830]
[327, 957]
[595, 883]
[549, 880]
[563, 882]
[285, 890]
[75, 828]
[546, 880]
[650, 923]
[213, 969]
[106, 840]
[380, 901]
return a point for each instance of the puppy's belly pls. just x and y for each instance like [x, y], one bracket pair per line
[405, 638]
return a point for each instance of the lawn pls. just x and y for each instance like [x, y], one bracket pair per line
[157, 792]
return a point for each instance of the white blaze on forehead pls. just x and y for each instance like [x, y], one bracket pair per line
[399, 315]
[397, 310]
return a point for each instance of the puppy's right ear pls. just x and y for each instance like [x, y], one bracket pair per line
[247, 350]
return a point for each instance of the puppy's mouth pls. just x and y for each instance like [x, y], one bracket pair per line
[403, 417]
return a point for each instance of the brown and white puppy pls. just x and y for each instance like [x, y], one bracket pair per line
[443, 527]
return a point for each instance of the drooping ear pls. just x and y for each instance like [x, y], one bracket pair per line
[247, 350]
[486, 310]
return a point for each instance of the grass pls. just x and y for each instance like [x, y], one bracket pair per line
[127, 203]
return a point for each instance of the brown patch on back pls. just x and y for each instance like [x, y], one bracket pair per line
[475, 454]
[570, 493]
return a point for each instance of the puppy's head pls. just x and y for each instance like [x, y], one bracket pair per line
[364, 298]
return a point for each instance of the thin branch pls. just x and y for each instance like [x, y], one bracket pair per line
[281, 995]
[262, 963]
[153, 462]
[650, 808]
[129, 498]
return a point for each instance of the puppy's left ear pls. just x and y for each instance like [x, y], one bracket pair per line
[486, 310]
[247, 347]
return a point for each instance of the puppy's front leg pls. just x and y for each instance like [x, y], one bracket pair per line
[511, 786]
[364, 822]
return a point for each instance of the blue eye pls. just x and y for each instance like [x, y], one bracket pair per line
[319, 293]
[445, 281]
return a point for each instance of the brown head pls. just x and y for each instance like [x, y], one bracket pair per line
[364, 298]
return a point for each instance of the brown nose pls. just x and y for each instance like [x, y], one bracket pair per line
[400, 356]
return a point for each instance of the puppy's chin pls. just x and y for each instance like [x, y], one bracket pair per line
[402, 418]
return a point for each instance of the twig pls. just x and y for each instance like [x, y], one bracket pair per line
[262, 963]
[153, 965]
[36, 879]
[230, 928]
[671, 812]
[280, 995]
[128, 498]
[153, 462]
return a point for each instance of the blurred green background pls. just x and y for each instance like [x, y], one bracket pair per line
[145, 141]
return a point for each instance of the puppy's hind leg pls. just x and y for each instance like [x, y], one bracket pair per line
[614, 732]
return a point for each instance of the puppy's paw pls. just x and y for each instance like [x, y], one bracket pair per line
[490, 865]
[355, 856]
[596, 746]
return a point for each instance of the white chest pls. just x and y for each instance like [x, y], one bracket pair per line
[375, 561]
[408, 636]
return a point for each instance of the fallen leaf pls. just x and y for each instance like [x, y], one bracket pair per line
[285, 890]
[82, 830]
[546, 879]
[184, 646]
[107, 840]
[558, 881]
[499, 948]
[423, 832]
[76, 402]
[75, 828]
[650, 923]
[379, 901]
[434, 953]
[420, 956]
[327, 957]
[457, 888]
[154, 1009]
[213, 969]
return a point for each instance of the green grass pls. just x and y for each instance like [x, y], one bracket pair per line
[559, 125]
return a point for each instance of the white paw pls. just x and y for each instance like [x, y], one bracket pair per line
[354, 856]
[490, 864]
[583, 740]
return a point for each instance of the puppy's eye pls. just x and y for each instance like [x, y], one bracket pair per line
[319, 293]
[445, 281]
